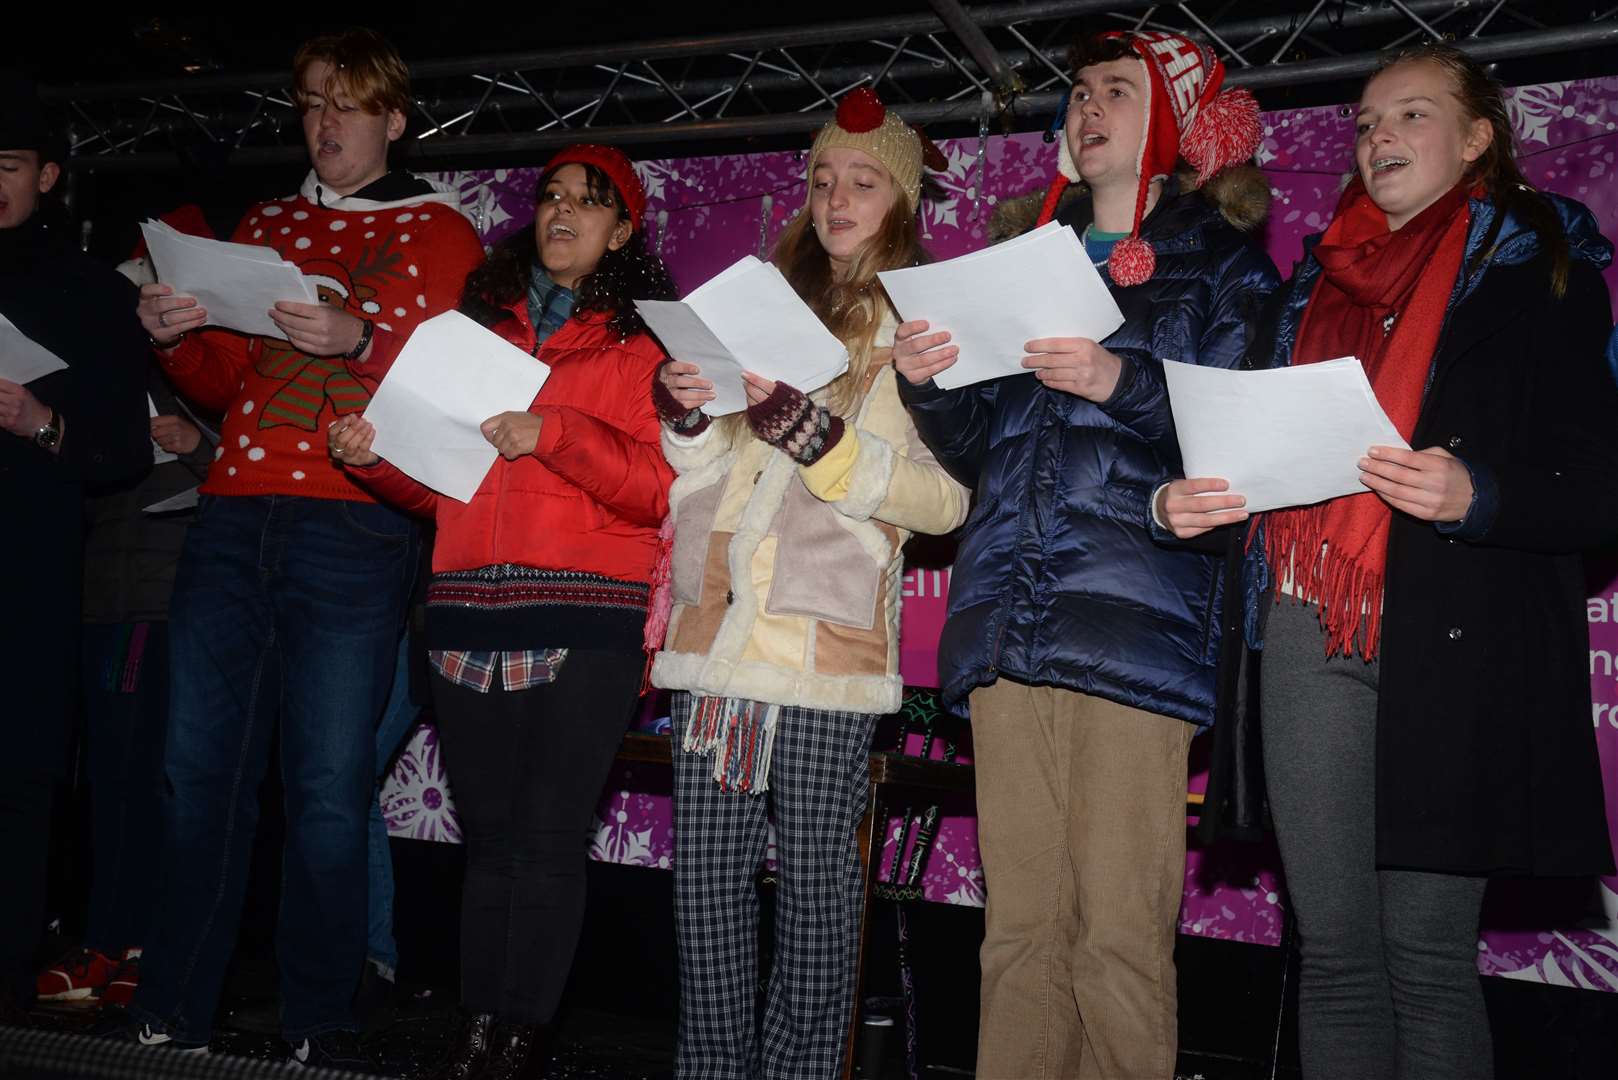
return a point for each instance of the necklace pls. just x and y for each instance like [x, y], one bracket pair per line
[1085, 240]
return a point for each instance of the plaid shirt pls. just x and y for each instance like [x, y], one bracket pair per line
[518, 670]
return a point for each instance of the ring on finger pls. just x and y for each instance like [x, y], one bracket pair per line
[162, 318]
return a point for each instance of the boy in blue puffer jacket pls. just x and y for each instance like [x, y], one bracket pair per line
[1089, 654]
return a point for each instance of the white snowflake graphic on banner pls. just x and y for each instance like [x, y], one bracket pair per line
[1532, 108]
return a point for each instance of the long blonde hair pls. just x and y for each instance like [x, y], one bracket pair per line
[852, 307]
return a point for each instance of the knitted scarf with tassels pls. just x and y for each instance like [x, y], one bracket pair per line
[1381, 297]
[740, 735]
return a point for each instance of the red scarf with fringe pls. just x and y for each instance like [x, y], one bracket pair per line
[1371, 276]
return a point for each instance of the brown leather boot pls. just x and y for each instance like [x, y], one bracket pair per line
[469, 1056]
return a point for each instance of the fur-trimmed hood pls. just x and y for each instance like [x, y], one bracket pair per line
[1241, 194]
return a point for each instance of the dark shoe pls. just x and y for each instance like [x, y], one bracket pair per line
[121, 1026]
[470, 1052]
[261, 1016]
[332, 1050]
[518, 1053]
[374, 1000]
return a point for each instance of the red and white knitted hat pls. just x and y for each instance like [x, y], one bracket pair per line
[1187, 115]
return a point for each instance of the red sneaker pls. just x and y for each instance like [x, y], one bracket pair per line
[80, 974]
[121, 987]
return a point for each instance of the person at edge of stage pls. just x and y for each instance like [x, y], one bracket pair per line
[783, 642]
[1087, 653]
[537, 610]
[74, 431]
[131, 554]
[290, 597]
[1453, 587]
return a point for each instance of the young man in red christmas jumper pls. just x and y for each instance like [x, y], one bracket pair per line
[291, 591]
[1088, 651]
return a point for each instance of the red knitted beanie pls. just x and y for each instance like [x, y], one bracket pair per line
[619, 169]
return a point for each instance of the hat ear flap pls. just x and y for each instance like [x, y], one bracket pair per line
[1064, 159]
[1226, 131]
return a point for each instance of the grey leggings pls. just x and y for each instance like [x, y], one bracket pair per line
[1389, 984]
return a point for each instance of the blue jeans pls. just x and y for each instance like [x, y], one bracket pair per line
[285, 609]
[397, 720]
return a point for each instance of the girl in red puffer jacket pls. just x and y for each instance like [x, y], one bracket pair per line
[540, 590]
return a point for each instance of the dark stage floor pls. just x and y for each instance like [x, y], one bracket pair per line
[618, 1014]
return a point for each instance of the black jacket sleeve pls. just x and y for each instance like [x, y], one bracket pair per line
[953, 423]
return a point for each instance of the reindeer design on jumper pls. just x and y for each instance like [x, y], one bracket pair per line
[309, 383]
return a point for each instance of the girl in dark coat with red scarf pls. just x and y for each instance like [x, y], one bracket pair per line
[1424, 696]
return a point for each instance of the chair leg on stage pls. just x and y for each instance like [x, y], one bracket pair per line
[869, 851]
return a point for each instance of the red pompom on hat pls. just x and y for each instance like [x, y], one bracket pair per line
[1188, 115]
[863, 123]
[860, 110]
[619, 169]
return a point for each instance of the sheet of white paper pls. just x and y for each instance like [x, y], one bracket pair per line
[450, 377]
[22, 359]
[746, 318]
[687, 338]
[740, 266]
[185, 500]
[237, 289]
[1285, 437]
[992, 301]
[160, 456]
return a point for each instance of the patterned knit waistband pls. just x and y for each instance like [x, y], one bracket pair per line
[507, 587]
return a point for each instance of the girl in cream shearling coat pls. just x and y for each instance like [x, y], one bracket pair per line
[783, 642]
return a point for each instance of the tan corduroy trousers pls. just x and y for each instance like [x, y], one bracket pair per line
[1081, 824]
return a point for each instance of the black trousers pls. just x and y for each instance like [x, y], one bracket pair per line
[25, 843]
[526, 770]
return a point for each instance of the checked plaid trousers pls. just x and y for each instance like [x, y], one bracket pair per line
[818, 785]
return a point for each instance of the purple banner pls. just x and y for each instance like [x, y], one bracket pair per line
[704, 213]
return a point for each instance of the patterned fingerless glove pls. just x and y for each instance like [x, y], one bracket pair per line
[789, 420]
[684, 421]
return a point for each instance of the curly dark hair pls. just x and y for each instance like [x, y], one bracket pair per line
[633, 272]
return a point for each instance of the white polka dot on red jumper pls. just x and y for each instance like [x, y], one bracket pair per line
[370, 307]
[285, 229]
[400, 312]
[218, 452]
[271, 211]
[369, 235]
[304, 447]
[242, 441]
[231, 470]
[247, 408]
[368, 218]
[256, 454]
[425, 217]
[299, 215]
[335, 250]
[253, 220]
[421, 301]
[404, 238]
[297, 474]
[301, 242]
[384, 326]
[338, 226]
[257, 233]
[404, 217]
[411, 269]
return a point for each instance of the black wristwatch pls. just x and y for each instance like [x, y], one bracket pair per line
[365, 340]
[48, 436]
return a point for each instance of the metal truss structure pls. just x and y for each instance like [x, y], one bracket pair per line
[993, 65]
